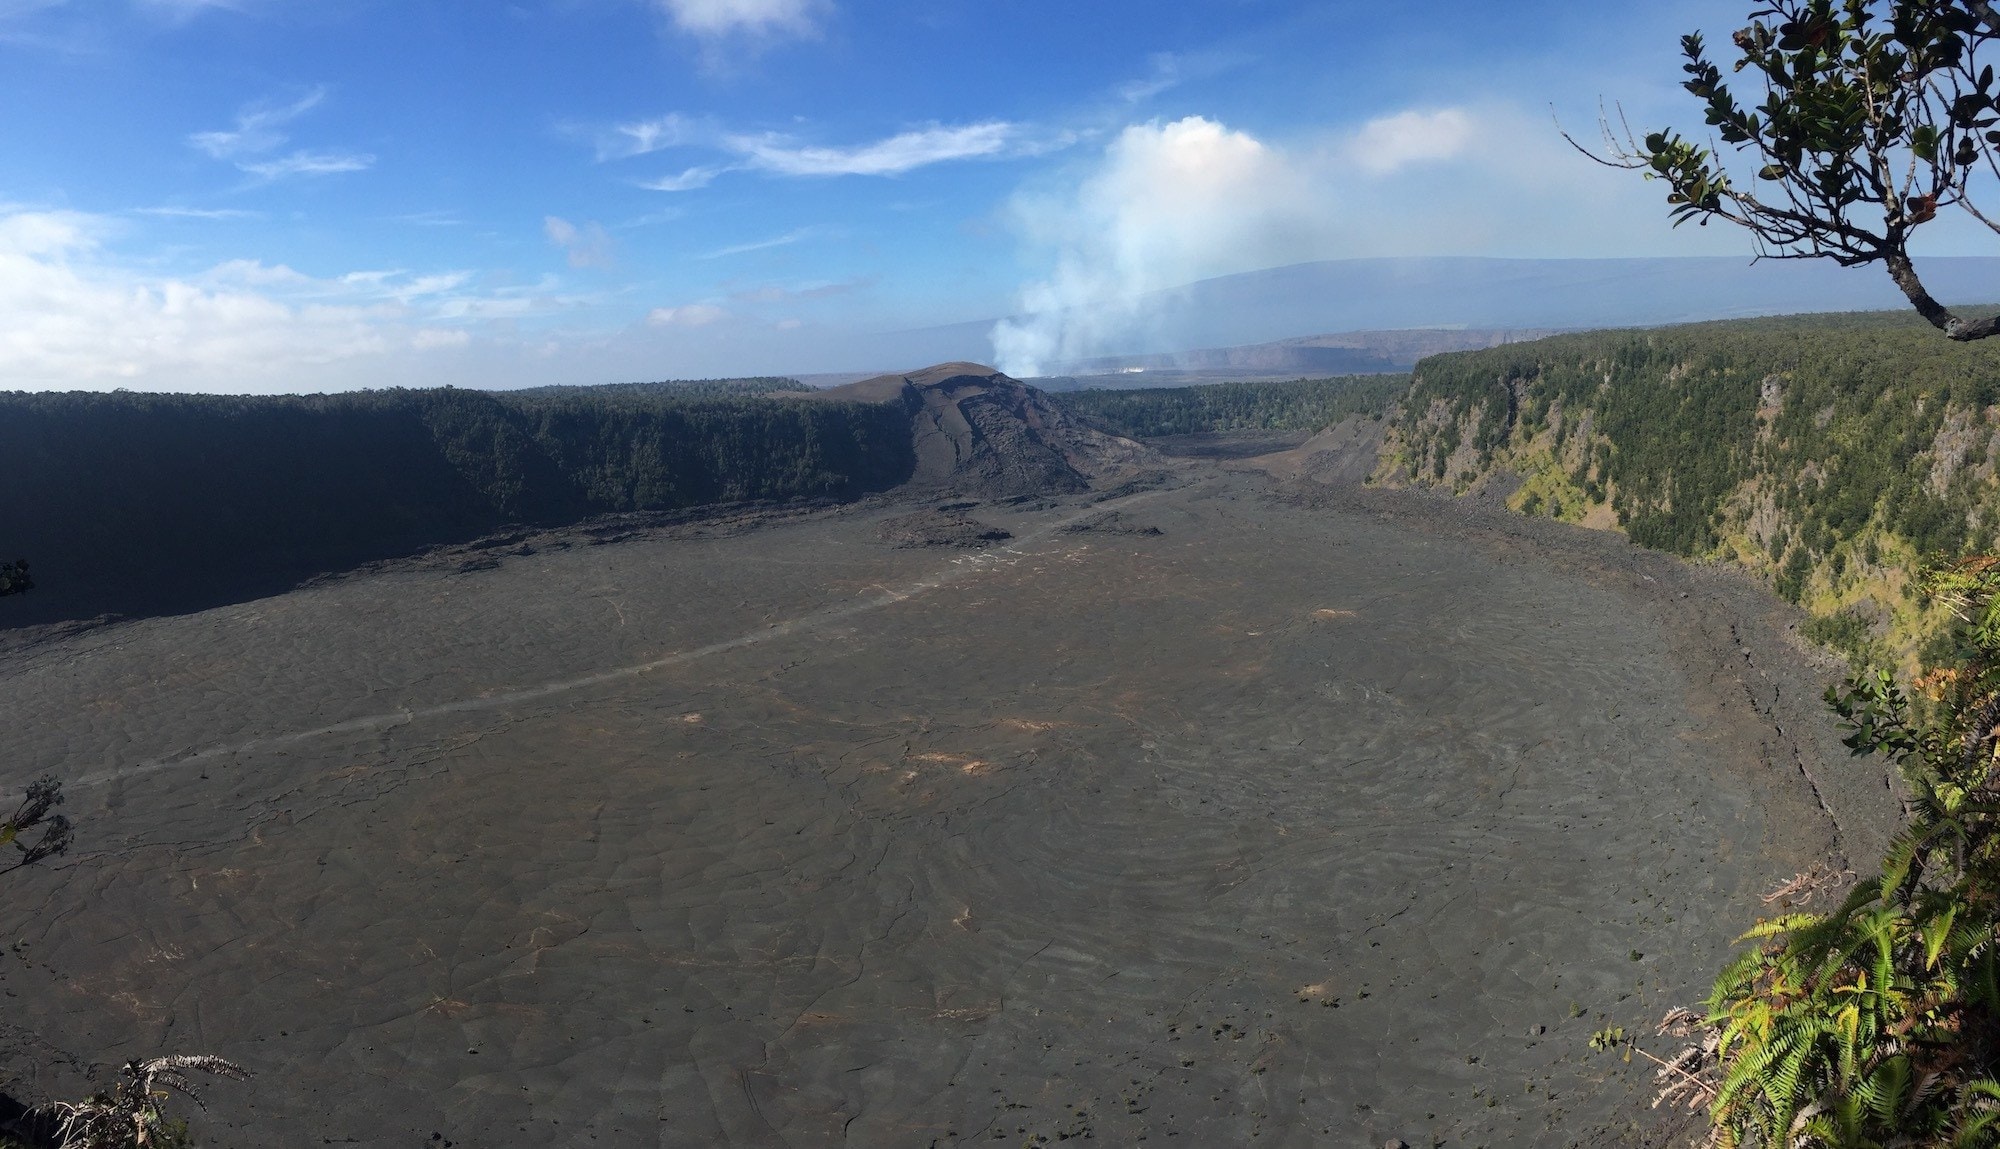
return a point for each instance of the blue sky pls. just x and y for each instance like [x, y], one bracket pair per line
[310, 194]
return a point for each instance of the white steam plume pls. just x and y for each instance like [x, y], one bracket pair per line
[1171, 203]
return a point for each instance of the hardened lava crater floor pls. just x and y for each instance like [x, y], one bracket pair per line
[1249, 821]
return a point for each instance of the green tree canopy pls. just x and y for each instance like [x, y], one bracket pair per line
[1875, 117]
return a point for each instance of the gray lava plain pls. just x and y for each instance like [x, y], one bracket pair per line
[1272, 815]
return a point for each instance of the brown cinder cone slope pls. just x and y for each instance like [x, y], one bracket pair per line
[978, 432]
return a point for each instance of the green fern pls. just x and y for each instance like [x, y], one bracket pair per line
[1878, 1023]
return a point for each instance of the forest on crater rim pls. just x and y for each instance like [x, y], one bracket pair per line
[1834, 455]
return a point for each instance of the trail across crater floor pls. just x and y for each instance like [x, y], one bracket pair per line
[959, 567]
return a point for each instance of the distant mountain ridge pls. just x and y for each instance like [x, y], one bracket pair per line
[1399, 349]
[1340, 353]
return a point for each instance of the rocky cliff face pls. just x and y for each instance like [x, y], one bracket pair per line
[1834, 455]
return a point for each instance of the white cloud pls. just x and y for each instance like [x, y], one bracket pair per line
[586, 246]
[784, 240]
[172, 212]
[76, 313]
[428, 285]
[689, 180]
[644, 137]
[260, 131]
[1166, 75]
[41, 234]
[687, 315]
[433, 218]
[398, 285]
[309, 164]
[256, 273]
[68, 318]
[756, 17]
[1394, 142]
[776, 153]
[1170, 203]
[259, 128]
[893, 156]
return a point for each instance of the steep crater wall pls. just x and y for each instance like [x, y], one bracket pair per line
[136, 503]
[1832, 455]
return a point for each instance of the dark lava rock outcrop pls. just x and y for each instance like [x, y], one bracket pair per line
[940, 528]
[1109, 523]
[980, 433]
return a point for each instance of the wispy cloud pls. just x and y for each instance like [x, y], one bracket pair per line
[686, 315]
[653, 218]
[1391, 143]
[777, 153]
[586, 246]
[438, 218]
[899, 153]
[690, 180]
[787, 239]
[68, 28]
[713, 18]
[776, 293]
[1170, 70]
[261, 130]
[309, 164]
[1166, 74]
[172, 212]
[15, 9]
[644, 137]
[394, 285]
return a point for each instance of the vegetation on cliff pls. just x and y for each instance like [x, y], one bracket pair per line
[1830, 453]
[1298, 405]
